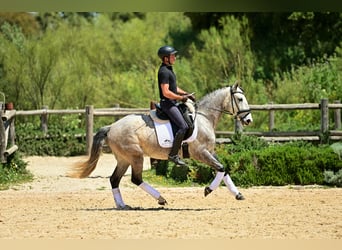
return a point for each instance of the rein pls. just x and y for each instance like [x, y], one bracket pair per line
[233, 100]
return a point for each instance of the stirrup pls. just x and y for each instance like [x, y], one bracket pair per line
[177, 160]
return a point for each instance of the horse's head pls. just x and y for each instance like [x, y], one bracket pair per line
[239, 105]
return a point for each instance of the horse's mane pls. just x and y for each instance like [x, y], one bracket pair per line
[208, 98]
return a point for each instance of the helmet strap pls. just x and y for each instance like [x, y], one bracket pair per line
[166, 61]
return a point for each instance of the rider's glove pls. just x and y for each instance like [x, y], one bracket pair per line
[184, 99]
[192, 98]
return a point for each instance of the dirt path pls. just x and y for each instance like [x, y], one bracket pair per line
[56, 207]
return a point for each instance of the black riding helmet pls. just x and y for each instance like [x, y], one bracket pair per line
[166, 51]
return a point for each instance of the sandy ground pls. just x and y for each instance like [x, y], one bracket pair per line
[56, 207]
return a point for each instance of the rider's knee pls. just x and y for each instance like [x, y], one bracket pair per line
[182, 130]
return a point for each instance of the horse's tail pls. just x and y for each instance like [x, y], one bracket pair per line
[84, 169]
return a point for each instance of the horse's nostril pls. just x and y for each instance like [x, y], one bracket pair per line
[248, 121]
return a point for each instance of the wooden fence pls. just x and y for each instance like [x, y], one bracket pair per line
[7, 133]
[270, 135]
[322, 135]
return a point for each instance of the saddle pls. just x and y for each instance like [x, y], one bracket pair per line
[166, 129]
[187, 111]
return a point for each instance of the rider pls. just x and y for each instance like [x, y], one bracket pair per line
[169, 94]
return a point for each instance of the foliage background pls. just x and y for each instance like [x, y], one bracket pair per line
[73, 59]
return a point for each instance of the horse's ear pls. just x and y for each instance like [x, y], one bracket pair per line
[236, 85]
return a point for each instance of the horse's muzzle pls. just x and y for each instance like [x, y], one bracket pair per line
[246, 119]
[247, 122]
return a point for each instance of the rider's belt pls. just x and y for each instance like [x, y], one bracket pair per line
[164, 100]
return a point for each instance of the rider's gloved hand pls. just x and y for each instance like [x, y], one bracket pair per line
[192, 98]
[184, 99]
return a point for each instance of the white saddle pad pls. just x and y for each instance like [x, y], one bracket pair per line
[165, 135]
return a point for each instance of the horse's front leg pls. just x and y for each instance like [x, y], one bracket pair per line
[206, 157]
[212, 160]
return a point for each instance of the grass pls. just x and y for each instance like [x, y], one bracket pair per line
[14, 172]
[10, 177]
[161, 181]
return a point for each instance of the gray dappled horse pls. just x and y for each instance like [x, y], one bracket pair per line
[133, 137]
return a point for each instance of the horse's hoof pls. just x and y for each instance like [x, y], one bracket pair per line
[126, 207]
[162, 201]
[239, 197]
[207, 191]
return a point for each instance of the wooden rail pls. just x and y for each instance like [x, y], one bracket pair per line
[270, 135]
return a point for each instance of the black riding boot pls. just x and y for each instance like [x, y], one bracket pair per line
[177, 143]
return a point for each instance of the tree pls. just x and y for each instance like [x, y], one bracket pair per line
[24, 20]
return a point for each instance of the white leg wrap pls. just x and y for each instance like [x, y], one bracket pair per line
[217, 181]
[230, 184]
[150, 190]
[118, 198]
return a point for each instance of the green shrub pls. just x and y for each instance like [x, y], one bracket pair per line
[179, 173]
[161, 167]
[251, 161]
[332, 179]
[64, 138]
[297, 163]
[14, 171]
[337, 147]
[195, 172]
[200, 173]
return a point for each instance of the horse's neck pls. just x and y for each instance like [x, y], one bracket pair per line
[213, 105]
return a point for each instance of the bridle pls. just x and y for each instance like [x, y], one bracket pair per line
[241, 113]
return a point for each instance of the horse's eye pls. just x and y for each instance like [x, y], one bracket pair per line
[240, 99]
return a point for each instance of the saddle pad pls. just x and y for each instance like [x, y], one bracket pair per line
[165, 136]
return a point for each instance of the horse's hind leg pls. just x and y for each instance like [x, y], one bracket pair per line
[115, 179]
[137, 168]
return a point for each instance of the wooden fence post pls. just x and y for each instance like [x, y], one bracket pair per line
[89, 113]
[44, 120]
[271, 119]
[324, 120]
[337, 117]
[2, 136]
[238, 126]
[12, 131]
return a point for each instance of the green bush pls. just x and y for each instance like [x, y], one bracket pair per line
[195, 172]
[161, 167]
[297, 163]
[332, 179]
[179, 173]
[200, 173]
[253, 162]
[337, 147]
[14, 171]
[64, 138]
